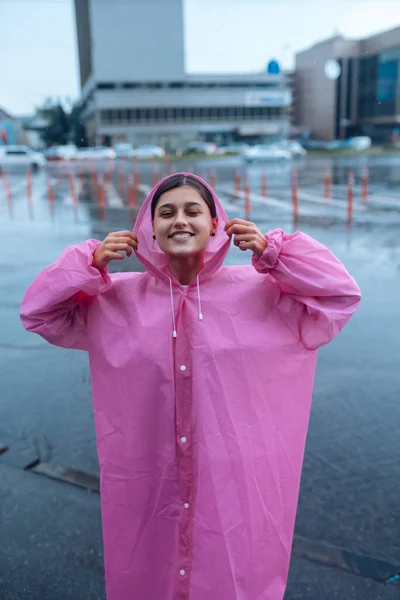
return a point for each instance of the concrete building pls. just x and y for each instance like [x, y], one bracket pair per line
[363, 100]
[135, 87]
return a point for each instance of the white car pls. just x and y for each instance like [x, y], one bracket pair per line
[123, 150]
[265, 152]
[291, 146]
[56, 153]
[95, 153]
[20, 156]
[362, 142]
[148, 151]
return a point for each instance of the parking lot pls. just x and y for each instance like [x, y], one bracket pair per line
[349, 514]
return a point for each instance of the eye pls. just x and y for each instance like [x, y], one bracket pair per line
[166, 214]
[193, 213]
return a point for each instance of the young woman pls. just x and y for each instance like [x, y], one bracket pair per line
[202, 382]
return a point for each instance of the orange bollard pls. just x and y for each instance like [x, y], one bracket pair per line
[29, 192]
[364, 185]
[93, 180]
[237, 184]
[213, 178]
[101, 195]
[131, 190]
[71, 185]
[264, 183]
[29, 184]
[295, 196]
[327, 184]
[247, 199]
[165, 166]
[154, 175]
[50, 194]
[350, 196]
[137, 173]
[121, 183]
[7, 185]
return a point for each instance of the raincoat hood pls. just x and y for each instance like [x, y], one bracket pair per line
[155, 260]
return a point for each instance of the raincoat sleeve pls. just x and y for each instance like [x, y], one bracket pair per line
[55, 305]
[317, 294]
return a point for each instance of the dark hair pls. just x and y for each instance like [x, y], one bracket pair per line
[179, 180]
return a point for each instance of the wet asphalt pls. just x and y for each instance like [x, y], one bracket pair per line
[349, 509]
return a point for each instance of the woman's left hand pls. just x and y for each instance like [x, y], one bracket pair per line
[247, 236]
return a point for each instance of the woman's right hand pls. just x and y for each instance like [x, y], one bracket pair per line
[112, 248]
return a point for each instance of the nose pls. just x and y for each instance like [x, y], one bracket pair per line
[180, 219]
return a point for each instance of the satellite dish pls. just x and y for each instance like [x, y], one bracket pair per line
[332, 69]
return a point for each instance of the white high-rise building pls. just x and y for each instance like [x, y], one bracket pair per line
[135, 88]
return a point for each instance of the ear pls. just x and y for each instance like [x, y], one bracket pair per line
[214, 225]
[153, 230]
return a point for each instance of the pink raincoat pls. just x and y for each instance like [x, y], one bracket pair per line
[201, 436]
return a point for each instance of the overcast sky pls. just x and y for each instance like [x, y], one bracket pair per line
[38, 40]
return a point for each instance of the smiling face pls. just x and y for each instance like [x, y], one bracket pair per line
[182, 222]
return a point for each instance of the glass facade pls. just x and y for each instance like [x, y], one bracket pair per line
[132, 116]
[377, 85]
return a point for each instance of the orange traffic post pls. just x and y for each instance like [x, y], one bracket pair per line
[121, 179]
[29, 192]
[165, 166]
[264, 183]
[100, 194]
[213, 178]
[93, 177]
[50, 194]
[237, 184]
[247, 198]
[154, 175]
[350, 196]
[295, 195]
[364, 185]
[137, 173]
[7, 185]
[327, 183]
[131, 190]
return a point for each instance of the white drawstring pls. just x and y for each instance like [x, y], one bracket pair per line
[172, 308]
[174, 334]
[198, 295]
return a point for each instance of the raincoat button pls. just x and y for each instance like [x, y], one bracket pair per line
[182, 572]
[183, 368]
[186, 505]
[183, 440]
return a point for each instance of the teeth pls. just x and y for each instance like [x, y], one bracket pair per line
[181, 235]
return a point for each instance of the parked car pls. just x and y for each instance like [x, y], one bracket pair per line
[362, 142]
[20, 156]
[315, 144]
[56, 153]
[123, 150]
[199, 148]
[147, 151]
[261, 152]
[234, 148]
[291, 146]
[95, 153]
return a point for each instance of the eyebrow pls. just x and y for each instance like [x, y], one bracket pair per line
[187, 205]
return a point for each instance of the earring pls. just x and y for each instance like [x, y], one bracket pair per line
[154, 237]
[212, 234]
